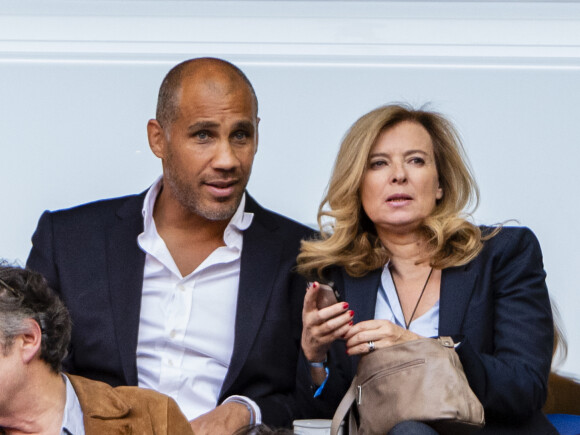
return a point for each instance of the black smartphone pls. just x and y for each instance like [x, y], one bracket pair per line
[328, 295]
[336, 291]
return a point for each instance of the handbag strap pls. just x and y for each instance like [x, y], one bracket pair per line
[343, 408]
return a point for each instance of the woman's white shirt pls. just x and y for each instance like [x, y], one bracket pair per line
[389, 308]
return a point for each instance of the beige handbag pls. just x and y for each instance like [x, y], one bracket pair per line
[420, 380]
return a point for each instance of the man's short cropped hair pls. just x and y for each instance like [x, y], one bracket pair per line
[167, 101]
[25, 294]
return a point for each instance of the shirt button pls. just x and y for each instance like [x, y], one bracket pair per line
[170, 362]
[172, 334]
[181, 287]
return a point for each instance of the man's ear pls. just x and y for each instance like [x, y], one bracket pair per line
[156, 137]
[257, 134]
[29, 342]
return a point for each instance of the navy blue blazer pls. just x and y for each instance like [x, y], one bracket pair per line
[498, 307]
[90, 256]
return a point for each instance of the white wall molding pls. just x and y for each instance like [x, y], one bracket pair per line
[528, 33]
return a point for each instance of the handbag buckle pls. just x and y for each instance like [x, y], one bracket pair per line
[446, 341]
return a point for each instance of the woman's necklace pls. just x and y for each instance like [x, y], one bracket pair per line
[418, 300]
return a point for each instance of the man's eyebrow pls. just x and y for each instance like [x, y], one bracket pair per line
[202, 125]
[243, 125]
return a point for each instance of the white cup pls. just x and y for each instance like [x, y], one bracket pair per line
[314, 427]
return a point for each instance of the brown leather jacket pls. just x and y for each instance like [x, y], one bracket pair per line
[127, 410]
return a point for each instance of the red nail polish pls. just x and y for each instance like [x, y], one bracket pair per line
[314, 284]
[351, 323]
[351, 312]
[346, 351]
[344, 305]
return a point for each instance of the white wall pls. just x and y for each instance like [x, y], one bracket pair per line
[78, 82]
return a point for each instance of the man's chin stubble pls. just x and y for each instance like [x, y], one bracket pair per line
[218, 214]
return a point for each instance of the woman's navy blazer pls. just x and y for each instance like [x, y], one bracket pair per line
[498, 306]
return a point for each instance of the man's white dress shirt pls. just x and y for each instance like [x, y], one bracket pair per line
[187, 324]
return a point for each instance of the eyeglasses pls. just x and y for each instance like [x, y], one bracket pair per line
[7, 287]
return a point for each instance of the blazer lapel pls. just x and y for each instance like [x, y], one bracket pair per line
[361, 294]
[125, 262]
[258, 271]
[457, 284]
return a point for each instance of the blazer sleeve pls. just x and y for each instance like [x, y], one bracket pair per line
[41, 257]
[282, 403]
[510, 376]
[42, 260]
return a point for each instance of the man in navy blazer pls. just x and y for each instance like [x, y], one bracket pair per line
[188, 287]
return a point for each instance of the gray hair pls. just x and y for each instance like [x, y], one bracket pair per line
[25, 294]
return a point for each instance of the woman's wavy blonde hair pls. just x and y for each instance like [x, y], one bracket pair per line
[350, 239]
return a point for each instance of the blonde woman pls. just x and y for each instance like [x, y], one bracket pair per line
[401, 248]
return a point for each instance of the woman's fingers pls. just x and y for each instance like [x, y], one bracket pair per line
[310, 312]
[362, 348]
[330, 323]
[311, 297]
[364, 327]
[322, 327]
[375, 334]
[326, 330]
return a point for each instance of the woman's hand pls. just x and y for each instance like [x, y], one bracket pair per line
[381, 332]
[322, 326]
